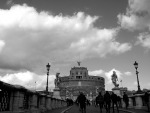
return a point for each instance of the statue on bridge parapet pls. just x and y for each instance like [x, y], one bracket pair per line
[57, 80]
[114, 79]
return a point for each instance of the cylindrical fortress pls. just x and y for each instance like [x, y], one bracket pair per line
[80, 81]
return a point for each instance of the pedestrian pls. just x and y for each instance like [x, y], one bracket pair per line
[146, 98]
[126, 99]
[107, 101]
[119, 101]
[114, 101]
[100, 101]
[82, 102]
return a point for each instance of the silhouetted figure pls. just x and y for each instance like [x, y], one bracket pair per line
[146, 98]
[114, 99]
[119, 101]
[126, 100]
[82, 102]
[96, 103]
[107, 101]
[88, 102]
[100, 101]
[69, 102]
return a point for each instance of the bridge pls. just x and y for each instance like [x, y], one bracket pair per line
[93, 109]
[19, 99]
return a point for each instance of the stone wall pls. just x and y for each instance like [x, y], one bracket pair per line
[137, 101]
[18, 99]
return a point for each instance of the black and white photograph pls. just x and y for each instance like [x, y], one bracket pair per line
[74, 56]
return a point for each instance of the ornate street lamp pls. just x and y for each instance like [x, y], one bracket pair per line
[48, 68]
[136, 66]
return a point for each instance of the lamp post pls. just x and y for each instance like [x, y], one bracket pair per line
[136, 66]
[48, 68]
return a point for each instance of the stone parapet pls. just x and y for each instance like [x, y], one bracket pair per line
[20, 100]
[136, 101]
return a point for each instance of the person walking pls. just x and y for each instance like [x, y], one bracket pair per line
[114, 101]
[119, 101]
[146, 98]
[107, 101]
[100, 101]
[126, 99]
[82, 102]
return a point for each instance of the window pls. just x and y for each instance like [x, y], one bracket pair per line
[78, 77]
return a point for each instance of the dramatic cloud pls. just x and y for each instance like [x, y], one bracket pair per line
[144, 39]
[137, 15]
[29, 80]
[29, 39]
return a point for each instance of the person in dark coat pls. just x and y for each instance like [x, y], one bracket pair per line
[114, 99]
[82, 102]
[107, 101]
[100, 101]
[119, 101]
[146, 98]
[126, 99]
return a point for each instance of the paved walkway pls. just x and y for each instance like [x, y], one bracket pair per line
[93, 109]
[89, 109]
[58, 110]
[131, 110]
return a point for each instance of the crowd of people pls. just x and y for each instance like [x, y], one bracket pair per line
[107, 101]
[103, 101]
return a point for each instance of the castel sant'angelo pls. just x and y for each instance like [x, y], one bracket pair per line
[80, 81]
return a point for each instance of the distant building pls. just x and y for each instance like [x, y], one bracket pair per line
[80, 81]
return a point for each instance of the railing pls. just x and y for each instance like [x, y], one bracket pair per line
[137, 101]
[18, 99]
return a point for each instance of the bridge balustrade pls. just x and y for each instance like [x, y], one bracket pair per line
[19, 99]
[4, 100]
[137, 101]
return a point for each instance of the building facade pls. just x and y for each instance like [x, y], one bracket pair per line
[80, 81]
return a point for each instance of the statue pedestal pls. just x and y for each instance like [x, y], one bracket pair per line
[56, 93]
[117, 91]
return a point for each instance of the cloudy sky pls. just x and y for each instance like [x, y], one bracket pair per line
[105, 35]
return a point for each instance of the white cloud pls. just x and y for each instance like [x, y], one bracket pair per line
[128, 73]
[34, 38]
[144, 39]
[96, 72]
[28, 79]
[2, 44]
[137, 15]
